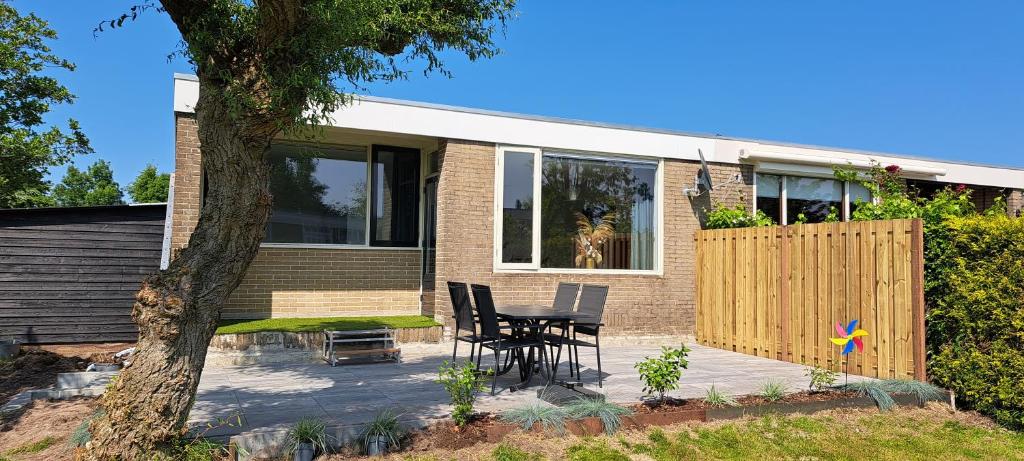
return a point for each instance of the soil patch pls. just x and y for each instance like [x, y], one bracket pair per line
[672, 405]
[445, 435]
[99, 352]
[35, 369]
[55, 420]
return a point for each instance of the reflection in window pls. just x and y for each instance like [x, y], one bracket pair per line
[858, 195]
[517, 208]
[811, 199]
[396, 191]
[597, 214]
[769, 196]
[319, 195]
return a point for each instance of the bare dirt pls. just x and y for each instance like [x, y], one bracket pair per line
[37, 366]
[56, 419]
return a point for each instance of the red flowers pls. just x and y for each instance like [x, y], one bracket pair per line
[961, 188]
[893, 169]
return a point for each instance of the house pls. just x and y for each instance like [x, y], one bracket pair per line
[401, 197]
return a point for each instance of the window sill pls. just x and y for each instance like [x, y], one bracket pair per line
[333, 246]
[645, 273]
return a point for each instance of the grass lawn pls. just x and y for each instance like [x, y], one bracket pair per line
[297, 325]
[905, 434]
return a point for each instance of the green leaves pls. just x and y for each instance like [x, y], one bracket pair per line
[149, 186]
[462, 383]
[27, 151]
[93, 187]
[661, 374]
[723, 217]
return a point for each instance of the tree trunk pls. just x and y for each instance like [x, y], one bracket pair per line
[177, 309]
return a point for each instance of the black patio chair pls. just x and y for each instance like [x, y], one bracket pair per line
[591, 303]
[493, 338]
[565, 300]
[465, 324]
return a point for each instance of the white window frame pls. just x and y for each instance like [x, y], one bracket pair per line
[538, 159]
[783, 195]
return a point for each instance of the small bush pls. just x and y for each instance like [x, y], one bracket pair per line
[821, 378]
[773, 391]
[876, 390]
[309, 430]
[384, 425]
[610, 413]
[462, 383]
[81, 434]
[921, 390]
[661, 374]
[718, 399]
[723, 217]
[550, 417]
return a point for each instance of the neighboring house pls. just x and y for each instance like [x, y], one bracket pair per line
[402, 196]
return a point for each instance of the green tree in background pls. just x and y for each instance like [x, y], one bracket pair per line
[27, 149]
[149, 186]
[92, 187]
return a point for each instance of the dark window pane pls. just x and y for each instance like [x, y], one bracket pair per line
[859, 195]
[812, 198]
[396, 192]
[517, 208]
[597, 214]
[768, 193]
[319, 195]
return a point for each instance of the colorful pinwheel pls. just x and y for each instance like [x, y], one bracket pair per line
[849, 337]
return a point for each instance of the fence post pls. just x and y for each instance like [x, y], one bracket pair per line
[917, 297]
[784, 293]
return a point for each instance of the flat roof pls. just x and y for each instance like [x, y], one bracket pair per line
[381, 114]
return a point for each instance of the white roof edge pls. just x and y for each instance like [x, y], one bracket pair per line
[438, 120]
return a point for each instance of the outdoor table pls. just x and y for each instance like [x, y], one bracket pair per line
[519, 315]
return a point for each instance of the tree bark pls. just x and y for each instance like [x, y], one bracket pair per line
[177, 309]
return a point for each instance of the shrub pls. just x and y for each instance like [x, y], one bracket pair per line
[610, 413]
[81, 434]
[384, 425]
[773, 390]
[976, 315]
[718, 399]
[821, 378]
[661, 374]
[723, 217]
[922, 390]
[462, 383]
[550, 417]
[876, 390]
[308, 430]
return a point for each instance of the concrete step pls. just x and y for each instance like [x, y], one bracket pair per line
[84, 379]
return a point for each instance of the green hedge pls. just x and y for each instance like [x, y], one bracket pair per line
[976, 313]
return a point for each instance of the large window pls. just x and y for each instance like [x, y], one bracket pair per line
[577, 211]
[321, 195]
[792, 199]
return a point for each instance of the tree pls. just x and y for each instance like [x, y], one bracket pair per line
[27, 150]
[93, 187]
[149, 186]
[264, 68]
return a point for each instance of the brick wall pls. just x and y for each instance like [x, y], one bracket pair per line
[297, 282]
[1015, 202]
[326, 282]
[187, 179]
[637, 304]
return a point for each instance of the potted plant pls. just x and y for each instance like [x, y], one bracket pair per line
[307, 438]
[381, 434]
[9, 348]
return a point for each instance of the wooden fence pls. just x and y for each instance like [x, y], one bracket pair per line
[778, 292]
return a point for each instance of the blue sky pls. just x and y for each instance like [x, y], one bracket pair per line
[934, 78]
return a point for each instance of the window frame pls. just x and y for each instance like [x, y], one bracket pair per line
[369, 147]
[845, 210]
[372, 241]
[538, 159]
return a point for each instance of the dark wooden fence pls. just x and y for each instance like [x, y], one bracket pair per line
[70, 274]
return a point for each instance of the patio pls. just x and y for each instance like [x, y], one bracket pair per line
[269, 398]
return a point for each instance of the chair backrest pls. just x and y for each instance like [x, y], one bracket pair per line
[565, 296]
[463, 309]
[485, 310]
[592, 299]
